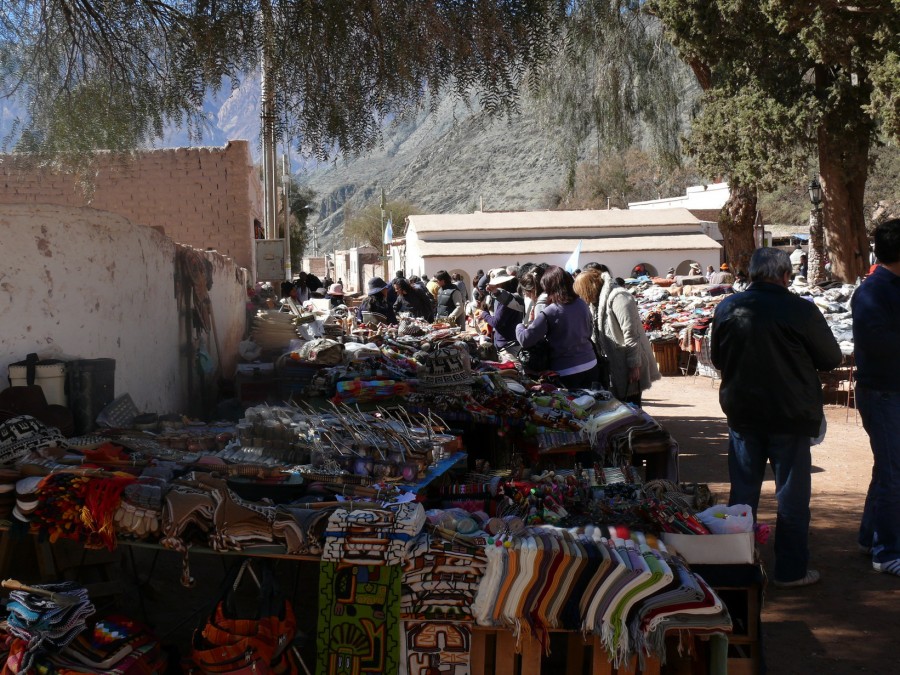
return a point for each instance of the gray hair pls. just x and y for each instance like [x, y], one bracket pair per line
[769, 264]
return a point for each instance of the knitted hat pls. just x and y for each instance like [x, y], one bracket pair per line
[22, 435]
[447, 367]
[375, 285]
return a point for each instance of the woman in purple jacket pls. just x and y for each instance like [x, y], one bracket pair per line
[566, 323]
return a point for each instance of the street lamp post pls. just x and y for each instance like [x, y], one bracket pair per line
[816, 257]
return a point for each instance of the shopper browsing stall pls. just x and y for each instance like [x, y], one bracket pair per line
[566, 324]
[619, 335]
[876, 334]
[769, 345]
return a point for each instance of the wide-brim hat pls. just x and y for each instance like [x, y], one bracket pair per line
[335, 289]
[501, 279]
[375, 285]
[724, 267]
[695, 266]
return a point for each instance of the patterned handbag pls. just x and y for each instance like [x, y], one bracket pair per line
[229, 643]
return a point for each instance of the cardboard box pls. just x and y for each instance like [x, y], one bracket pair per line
[713, 549]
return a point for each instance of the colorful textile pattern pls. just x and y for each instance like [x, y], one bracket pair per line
[441, 582]
[72, 506]
[373, 536]
[44, 626]
[430, 647]
[359, 617]
[624, 591]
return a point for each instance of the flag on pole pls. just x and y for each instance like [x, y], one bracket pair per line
[388, 232]
[572, 262]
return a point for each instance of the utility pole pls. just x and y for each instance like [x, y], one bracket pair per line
[267, 115]
[383, 243]
[286, 194]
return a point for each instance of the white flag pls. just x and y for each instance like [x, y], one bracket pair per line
[572, 262]
[388, 232]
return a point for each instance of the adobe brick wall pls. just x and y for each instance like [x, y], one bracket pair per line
[202, 197]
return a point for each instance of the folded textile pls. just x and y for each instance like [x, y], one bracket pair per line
[43, 625]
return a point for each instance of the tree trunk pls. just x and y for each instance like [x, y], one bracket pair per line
[816, 258]
[844, 139]
[736, 221]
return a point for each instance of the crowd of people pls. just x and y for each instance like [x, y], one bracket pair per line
[583, 327]
[768, 343]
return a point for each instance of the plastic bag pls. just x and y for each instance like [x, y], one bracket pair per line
[722, 519]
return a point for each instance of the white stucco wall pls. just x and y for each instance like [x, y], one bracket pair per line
[80, 283]
[712, 196]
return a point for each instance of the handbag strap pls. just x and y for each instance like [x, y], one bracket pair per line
[31, 362]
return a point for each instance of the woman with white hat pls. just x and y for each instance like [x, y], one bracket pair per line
[336, 295]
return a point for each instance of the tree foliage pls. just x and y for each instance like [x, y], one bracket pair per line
[615, 78]
[365, 228]
[630, 176]
[784, 78]
[300, 197]
[113, 74]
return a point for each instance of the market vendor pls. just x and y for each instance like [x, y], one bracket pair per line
[450, 303]
[412, 301]
[722, 277]
[335, 295]
[376, 302]
[508, 310]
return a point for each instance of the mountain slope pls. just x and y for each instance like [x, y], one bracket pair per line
[450, 161]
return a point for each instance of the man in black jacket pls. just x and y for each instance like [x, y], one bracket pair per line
[769, 345]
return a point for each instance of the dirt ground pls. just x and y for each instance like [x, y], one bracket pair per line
[847, 623]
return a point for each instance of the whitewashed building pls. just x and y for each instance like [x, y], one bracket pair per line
[620, 239]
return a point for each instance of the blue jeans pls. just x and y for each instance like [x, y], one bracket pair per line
[880, 527]
[789, 454]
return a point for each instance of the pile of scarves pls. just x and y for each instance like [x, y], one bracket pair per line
[630, 593]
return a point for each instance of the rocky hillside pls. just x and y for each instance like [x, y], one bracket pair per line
[451, 161]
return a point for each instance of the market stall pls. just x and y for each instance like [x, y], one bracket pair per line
[451, 505]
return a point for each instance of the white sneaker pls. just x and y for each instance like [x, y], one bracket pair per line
[889, 567]
[812, 577]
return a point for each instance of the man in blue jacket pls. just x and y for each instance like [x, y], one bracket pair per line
[876, 339]
[769, 345]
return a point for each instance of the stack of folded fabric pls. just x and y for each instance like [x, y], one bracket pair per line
[40, 625]
[23, 435]
[303, 530]
[114, 645]
[373, 536]
[441, 579]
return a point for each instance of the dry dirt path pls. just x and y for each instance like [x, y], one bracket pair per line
[850, 621]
